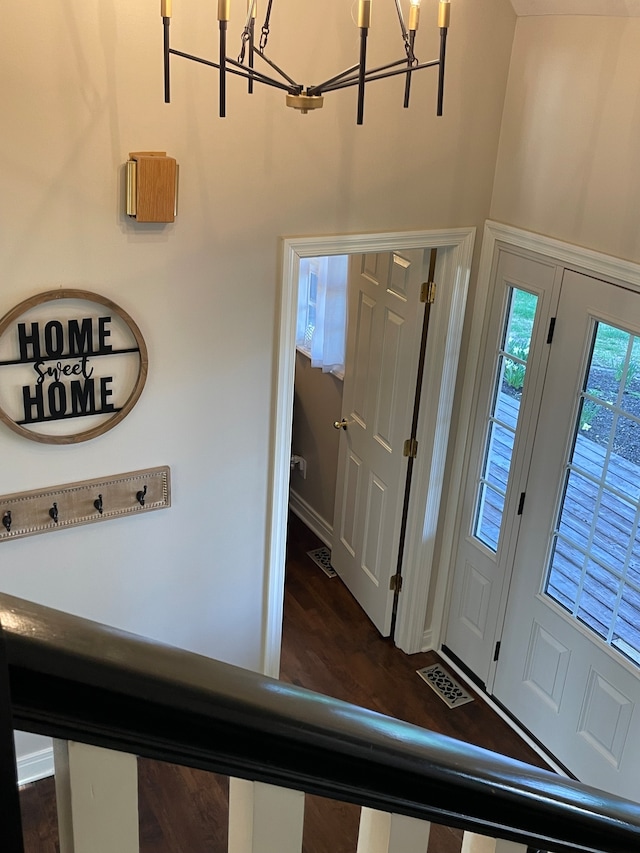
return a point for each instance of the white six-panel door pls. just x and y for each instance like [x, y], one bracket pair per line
[383, 344]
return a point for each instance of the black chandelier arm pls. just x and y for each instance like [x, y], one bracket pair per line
[380, 68]
[362, 74]
[275, 67]
[373, 75]
[258, 77]
[166, 22]
[223, 69]
[443, 51]
[252, 33]
[322, 87]
[234, 67]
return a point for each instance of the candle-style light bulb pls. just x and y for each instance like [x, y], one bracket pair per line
[444, 11]
[414, 14]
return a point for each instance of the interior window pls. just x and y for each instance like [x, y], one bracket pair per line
[322, 311]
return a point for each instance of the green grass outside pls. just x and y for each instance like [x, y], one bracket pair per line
[611, 343]
[523, 309]
[611, 348]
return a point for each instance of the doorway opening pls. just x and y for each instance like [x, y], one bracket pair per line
[356, 439]
[452, 274]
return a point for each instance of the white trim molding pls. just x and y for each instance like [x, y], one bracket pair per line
[575, 257]
[447, 323]
[314, 521]
[35, 766]
[427, 642]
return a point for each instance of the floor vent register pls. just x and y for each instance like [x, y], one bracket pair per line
[444, 685]
[322, 557]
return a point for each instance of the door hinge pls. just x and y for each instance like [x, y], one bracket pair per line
[395, 583]
[521, 504]
[410, 448]
[496, 653]
[428, 291]
[552, 328]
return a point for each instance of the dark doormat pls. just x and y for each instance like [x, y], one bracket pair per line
[322, 557]
[444, 685]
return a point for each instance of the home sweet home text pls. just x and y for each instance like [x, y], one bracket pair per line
[64, 384]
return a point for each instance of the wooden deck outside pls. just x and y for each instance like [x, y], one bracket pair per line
[598, 534]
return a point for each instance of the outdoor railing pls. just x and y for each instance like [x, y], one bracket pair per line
[80, 681]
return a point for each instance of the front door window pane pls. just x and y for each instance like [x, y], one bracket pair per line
[510, 371]
[594, 570]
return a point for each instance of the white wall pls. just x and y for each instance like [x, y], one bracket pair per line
[82, 86]
[568, 161]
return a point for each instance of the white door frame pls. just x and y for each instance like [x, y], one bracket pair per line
[454, 265]
[565, 255]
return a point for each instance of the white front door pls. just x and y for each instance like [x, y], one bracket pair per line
[568, 665]
[383, 346]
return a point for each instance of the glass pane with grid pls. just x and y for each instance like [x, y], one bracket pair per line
[594, 569]
[509, 371]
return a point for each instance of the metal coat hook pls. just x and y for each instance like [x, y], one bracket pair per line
[141, 495]
[6, 520]
[98, 504]
[53, 512]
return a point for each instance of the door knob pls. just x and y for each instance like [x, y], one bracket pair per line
[340, 424]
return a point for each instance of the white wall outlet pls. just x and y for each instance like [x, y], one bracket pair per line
[300, 463]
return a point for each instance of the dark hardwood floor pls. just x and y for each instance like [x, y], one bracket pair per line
[330, 646]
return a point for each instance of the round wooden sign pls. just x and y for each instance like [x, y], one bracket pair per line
[72, 366]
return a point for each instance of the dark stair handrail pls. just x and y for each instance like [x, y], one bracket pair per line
[76, 679]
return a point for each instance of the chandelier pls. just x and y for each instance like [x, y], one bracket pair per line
[298, 96]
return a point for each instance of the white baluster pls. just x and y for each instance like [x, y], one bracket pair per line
[240, 816]
[264, 818]
[509, 846]
[382, 832]
[97, 799]
[474, 843]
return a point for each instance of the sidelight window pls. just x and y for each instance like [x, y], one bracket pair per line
[509, 372]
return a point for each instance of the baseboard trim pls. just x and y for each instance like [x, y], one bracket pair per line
[427, 641]
[35, 766]
[497, 708]
[314, 521]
